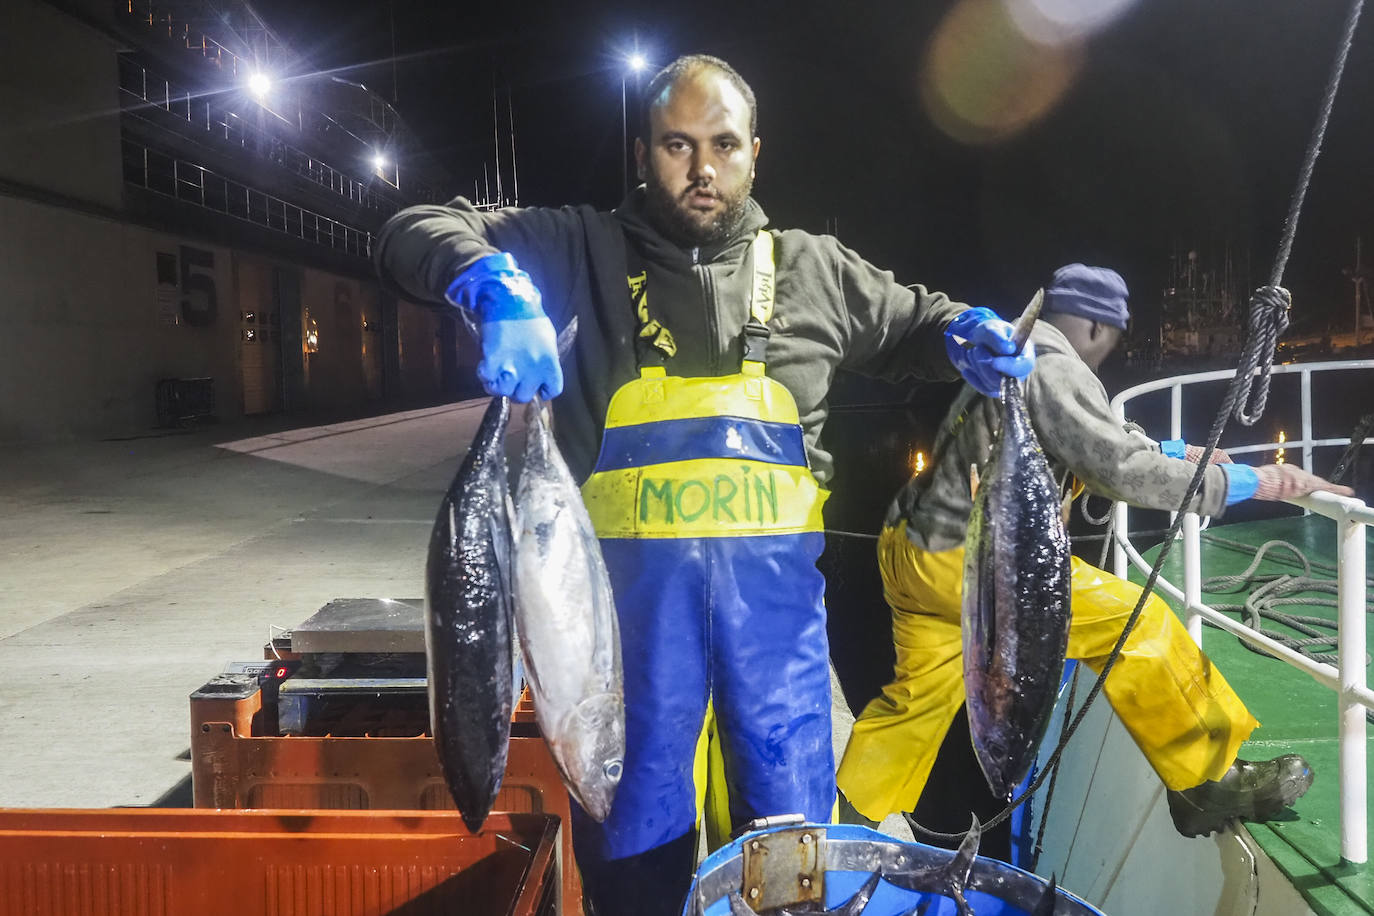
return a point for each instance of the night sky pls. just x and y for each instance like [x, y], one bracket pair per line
[1181, 124]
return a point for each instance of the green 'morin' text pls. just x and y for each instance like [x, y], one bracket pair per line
[748, 496]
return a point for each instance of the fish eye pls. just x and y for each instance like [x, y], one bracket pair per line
[612, 770]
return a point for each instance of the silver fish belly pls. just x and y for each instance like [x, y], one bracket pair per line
[1015, 614]
[569, 634]
[468, 623]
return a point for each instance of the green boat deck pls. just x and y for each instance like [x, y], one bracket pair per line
[1297, 714]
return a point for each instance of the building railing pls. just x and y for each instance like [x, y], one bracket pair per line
[266, 49]
[259, 48]
[1352, 518]
[173, 18]
[195, 184]
[202, 111]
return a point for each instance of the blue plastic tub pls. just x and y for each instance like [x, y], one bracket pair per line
[851, 854]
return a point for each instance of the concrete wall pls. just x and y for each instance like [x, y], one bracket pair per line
[89, 330]
[343, 370]
[419, 349]
[59, 92]
[97, 311]
[421, 344]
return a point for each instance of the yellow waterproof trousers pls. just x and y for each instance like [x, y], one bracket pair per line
[1185, 718]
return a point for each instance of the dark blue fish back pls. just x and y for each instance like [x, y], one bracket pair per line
[1016, 599]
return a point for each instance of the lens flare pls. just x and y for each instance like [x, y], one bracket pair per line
[1057, 22]
[983, 81]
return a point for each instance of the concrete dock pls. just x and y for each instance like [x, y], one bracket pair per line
[132, 570]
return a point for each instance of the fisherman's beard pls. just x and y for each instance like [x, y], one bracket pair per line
[679, 222]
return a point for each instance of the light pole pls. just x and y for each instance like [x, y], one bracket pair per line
[635, 64]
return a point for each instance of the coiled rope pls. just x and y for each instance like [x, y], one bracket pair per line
[1278, 590]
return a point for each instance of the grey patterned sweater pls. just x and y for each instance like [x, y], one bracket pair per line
[1072, 418]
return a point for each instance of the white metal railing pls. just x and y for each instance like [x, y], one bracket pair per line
[1352, 518]
[259, 46]
[208, 111]
[192, 183]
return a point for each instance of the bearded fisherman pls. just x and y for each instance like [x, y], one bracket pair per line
[695, 396]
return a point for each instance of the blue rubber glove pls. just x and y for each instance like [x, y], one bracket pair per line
[990, 357]
[1241, 482]
[1177, 448]
[1174, 448]
[519, 348]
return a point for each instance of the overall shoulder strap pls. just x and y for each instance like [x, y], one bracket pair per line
[756, 331]
[654, 343]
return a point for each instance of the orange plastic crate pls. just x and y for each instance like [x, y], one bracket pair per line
[232, 767]
[170, 862]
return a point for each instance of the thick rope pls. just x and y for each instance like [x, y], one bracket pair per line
[835, 532]
[1086, 512]
[1265, 317]
[1281, 590]
[1107, 518]
[1268, 320]
[1309, 162]
[1303, 561]
[1271, 301]
[1274, 591]
[1351, 456]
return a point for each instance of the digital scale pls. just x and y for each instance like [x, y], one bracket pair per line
[355, 668]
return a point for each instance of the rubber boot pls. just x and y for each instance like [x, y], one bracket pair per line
[653, 883]
[845, 813]
[1250, 791]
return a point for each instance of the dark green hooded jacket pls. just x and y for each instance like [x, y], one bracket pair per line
[833, 309]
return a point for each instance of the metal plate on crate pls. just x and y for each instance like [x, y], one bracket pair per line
[376, 625]
[351, 686]
[842, 855]
[784, 868]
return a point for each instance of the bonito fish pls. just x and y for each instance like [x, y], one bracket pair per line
[468, 622]
[1015, 599]
[569, 636]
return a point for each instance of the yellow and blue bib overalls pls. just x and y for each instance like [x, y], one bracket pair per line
[710, 525]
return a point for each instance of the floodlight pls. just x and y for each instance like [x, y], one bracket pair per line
[259, 84]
